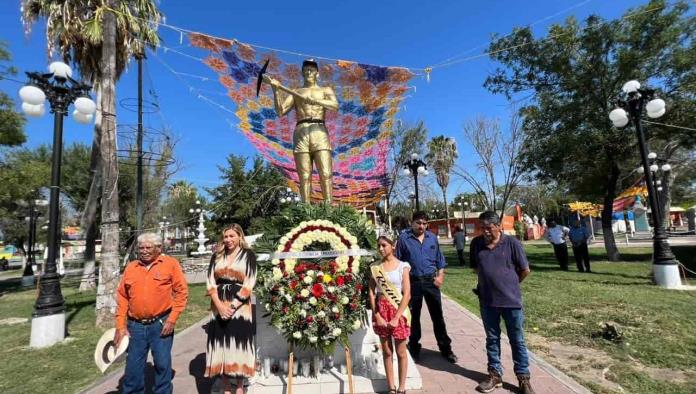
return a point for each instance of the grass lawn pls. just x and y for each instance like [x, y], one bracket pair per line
[69, 366]
[658, 325]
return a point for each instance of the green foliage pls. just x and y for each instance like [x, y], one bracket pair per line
[574, 74]
[25, 172]
[11, 122]
[520, 230]
[246, 197]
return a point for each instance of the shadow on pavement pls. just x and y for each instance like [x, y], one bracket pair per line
[197, 369]
[434, 360]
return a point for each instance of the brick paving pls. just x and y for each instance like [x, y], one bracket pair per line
[438, 375]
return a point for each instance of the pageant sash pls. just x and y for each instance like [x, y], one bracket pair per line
[392, 294]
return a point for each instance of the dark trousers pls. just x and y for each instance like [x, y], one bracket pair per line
[144, 338]
[561, 252]
[460, 254]
[424, 287]
[582, 255]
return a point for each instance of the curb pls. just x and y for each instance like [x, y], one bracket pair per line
[120, 369]
[541, 363]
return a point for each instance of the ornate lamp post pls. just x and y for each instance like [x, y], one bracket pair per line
[28, 275]
[163, 225]
[631, 105]
[48, 322]
[414, 167]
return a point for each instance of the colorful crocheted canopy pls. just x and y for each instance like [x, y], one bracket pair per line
[369, 98]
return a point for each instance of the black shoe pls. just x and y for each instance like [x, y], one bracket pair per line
[415, 351]
[451, 357]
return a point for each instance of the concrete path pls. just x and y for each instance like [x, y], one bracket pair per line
[438, 375]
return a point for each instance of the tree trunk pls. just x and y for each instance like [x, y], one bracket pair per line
[607, 210]
[109, 272]
[89, 216]
[444, 197]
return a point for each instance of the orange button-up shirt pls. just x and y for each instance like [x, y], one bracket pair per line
[145, 292]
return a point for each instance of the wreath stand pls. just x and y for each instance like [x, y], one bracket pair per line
[349, 367]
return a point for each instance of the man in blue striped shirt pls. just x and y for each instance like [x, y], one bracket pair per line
[421, 250]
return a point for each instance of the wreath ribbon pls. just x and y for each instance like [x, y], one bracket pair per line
[315, 254]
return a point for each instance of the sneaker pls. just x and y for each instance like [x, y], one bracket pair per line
[493, 382]
[524, 384]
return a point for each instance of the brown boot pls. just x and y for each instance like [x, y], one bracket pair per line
[491, 383]
[524, 384]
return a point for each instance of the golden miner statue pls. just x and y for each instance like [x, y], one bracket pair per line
[311, 139]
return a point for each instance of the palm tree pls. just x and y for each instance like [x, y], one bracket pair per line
[442, 152]
[99, 37]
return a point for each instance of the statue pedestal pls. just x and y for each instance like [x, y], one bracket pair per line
[368, 367]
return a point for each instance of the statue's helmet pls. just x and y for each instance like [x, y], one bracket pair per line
[310, 63]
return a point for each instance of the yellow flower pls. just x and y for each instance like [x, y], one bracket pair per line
[327, 278]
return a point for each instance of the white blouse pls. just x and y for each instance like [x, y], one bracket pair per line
[396, 276]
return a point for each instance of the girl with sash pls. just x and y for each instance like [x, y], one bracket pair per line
[390, 291]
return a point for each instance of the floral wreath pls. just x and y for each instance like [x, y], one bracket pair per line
[315, 301]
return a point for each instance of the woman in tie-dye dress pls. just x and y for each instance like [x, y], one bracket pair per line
[230, 351]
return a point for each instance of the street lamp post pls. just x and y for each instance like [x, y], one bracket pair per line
[665, 265]
[415, 166]
[28, 275]
[462, 205]
[164, 224]
[48, 322]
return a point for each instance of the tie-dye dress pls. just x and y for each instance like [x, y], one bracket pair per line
[230, 349]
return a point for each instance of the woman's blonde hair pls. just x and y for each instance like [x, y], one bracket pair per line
[220, 253]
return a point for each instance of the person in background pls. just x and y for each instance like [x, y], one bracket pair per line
[579, 237]
[501, 265]
[556, 235]
[390, 292]
[421, 250]
[459, 240]
[150, 297]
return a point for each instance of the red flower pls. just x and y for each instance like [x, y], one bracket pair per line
[309, 319]
[353, 306]
[340, 281]
[286, 309]
[358, 287]
[300, 268]
[317, 290]
[348, 278]
[337, 316]
[331, 297]
[293, 284]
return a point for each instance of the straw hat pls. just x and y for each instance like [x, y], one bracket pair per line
[106, 352]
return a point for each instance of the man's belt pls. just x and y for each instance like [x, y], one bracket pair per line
[320, 121]
[146, 322]
[422, 278]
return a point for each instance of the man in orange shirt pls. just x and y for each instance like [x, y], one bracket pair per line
[151, 296]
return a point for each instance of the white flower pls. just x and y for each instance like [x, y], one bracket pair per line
[282, 291]
[288, 298]
[336, 332]
[304, 293]
[313, 339]
[310, 273]
[297, 335]
[356, 324]
[290, 264]
[307, 279]
[320, 273]
[321, 314]
[268, 306]
[277, 273]
[275, 261]
[313, 301]
[303, 313]
[344, 300]
[331, 289]
[334, 309]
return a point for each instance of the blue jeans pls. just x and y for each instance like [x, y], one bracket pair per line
[514, 323]
[144, 338]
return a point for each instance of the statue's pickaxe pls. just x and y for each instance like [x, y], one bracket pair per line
[281, 87]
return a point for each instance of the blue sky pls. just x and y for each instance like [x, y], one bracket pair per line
[392, 33]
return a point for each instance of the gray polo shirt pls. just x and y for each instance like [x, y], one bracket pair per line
[499, 284]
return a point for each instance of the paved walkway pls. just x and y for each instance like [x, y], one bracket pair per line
[438, 375]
